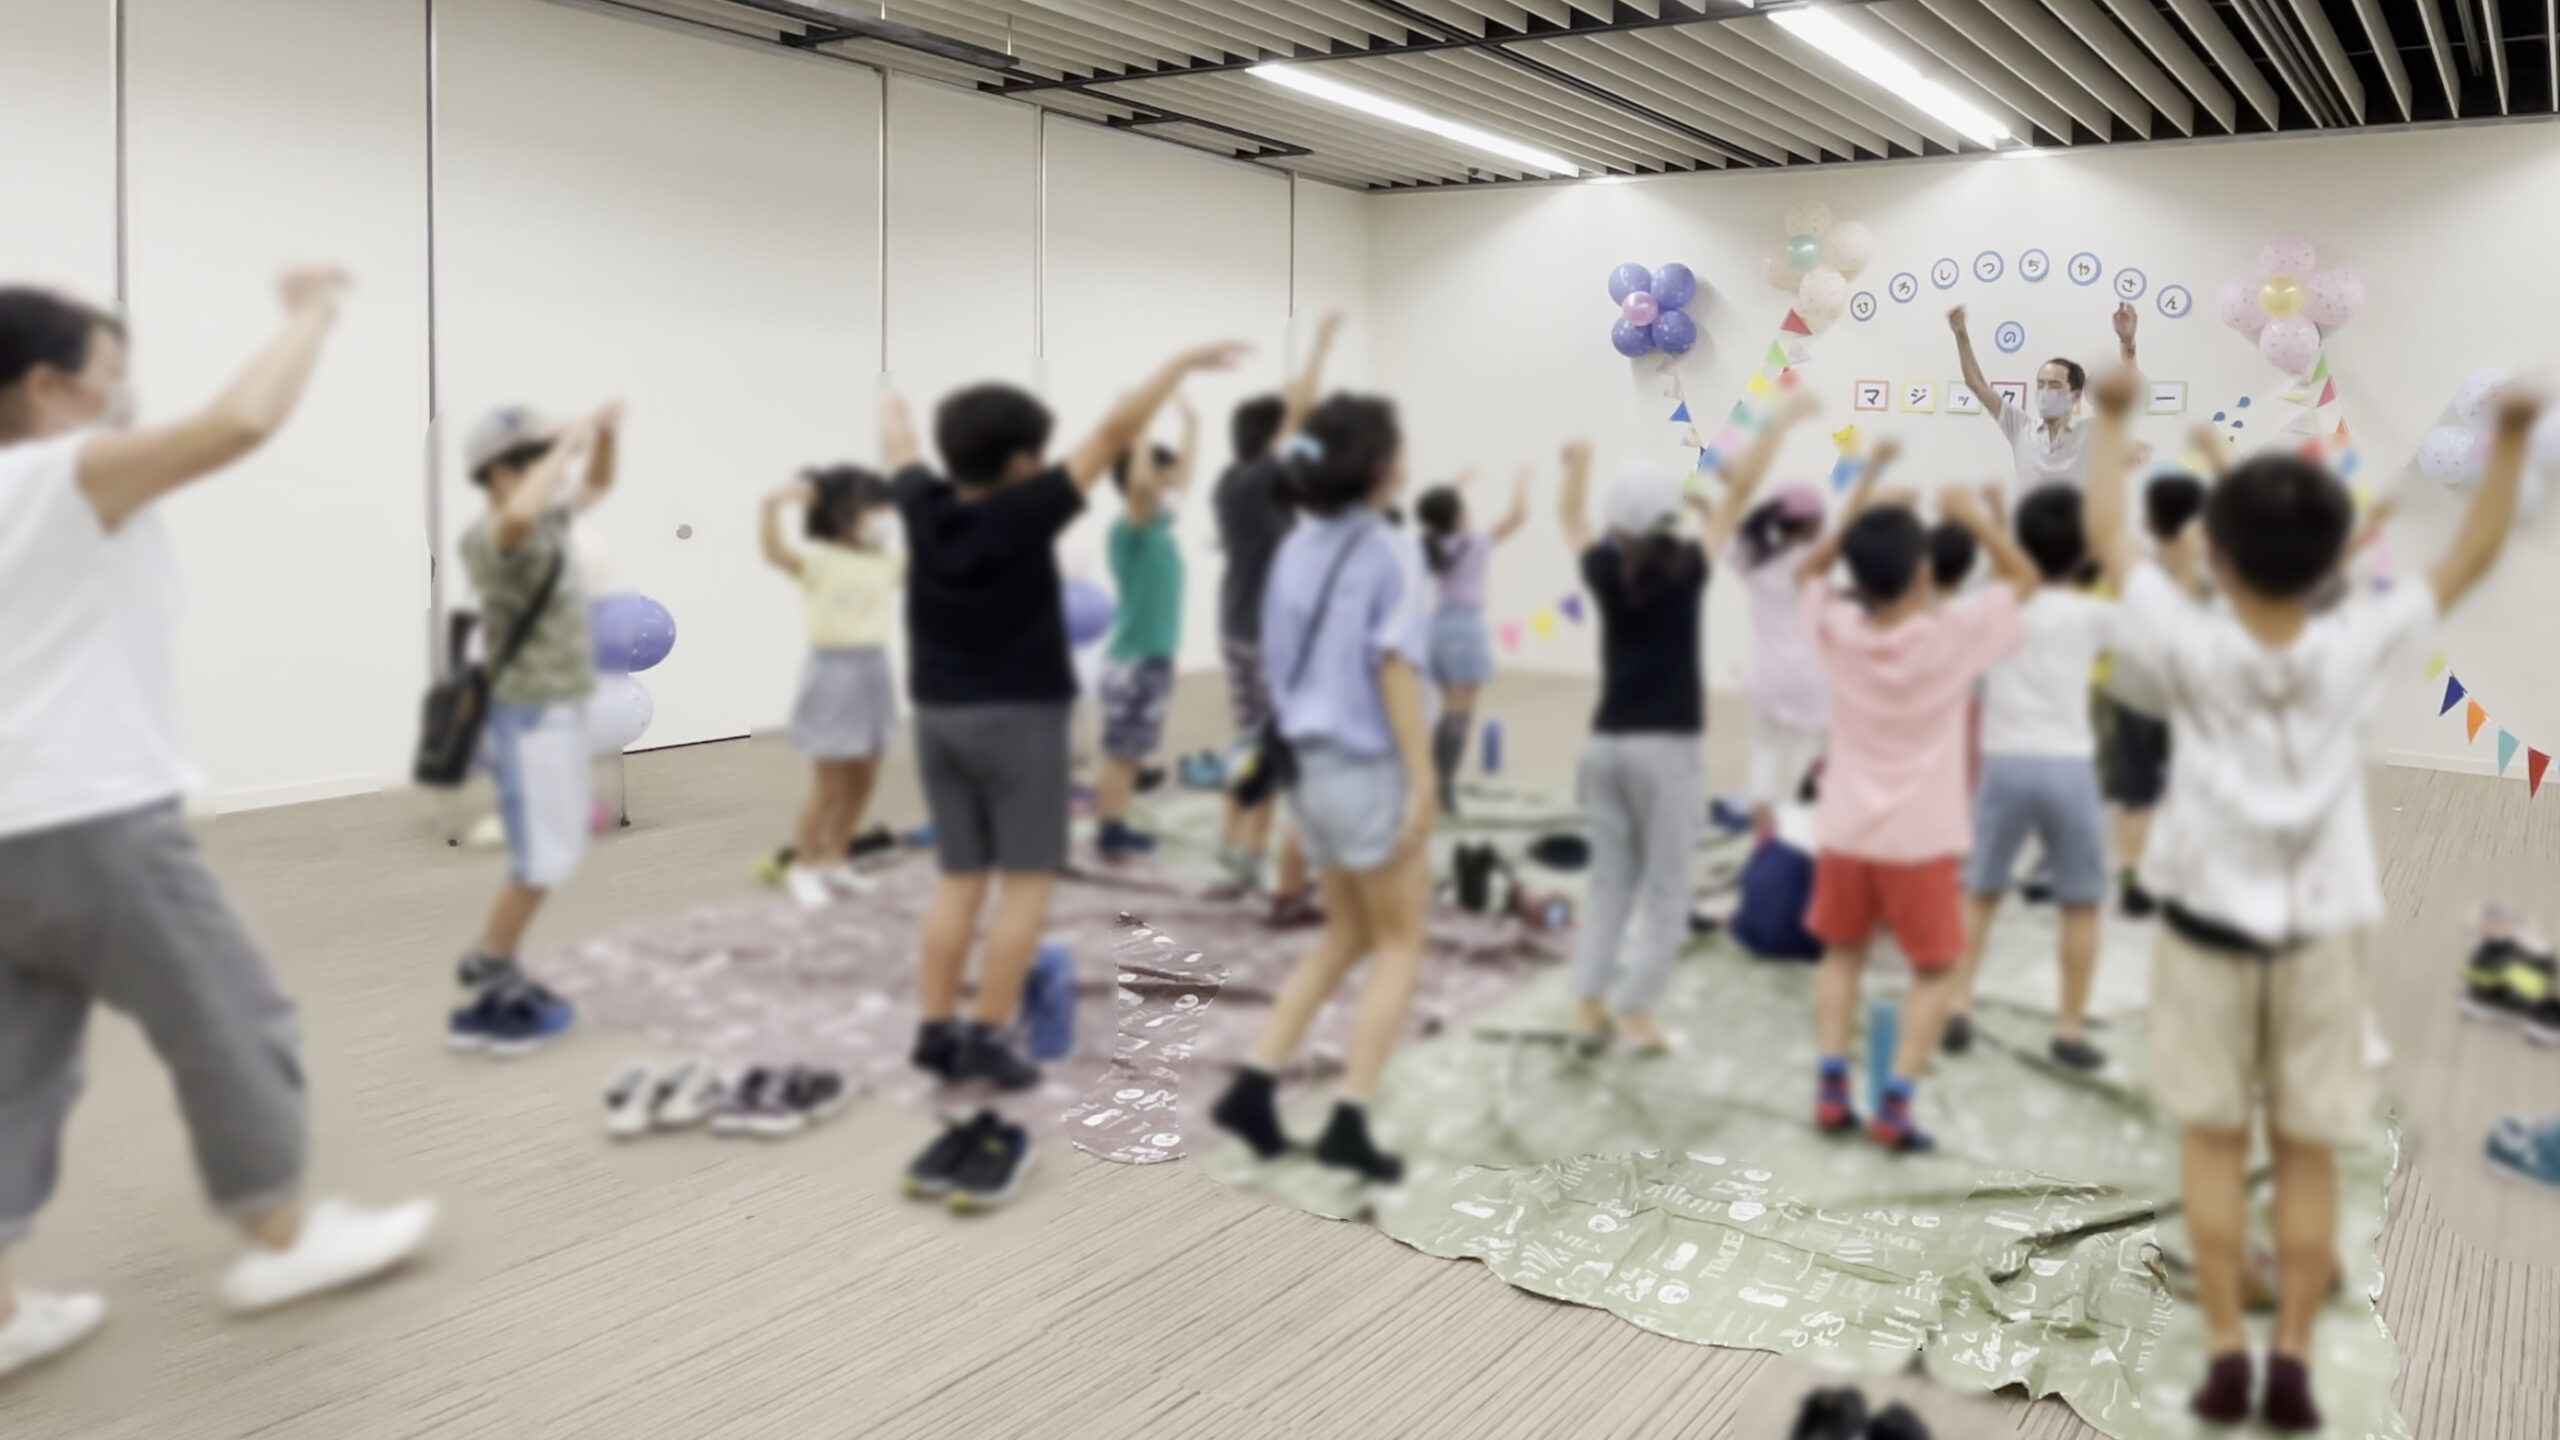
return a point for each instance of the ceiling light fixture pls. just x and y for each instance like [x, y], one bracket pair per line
[1303, 80]
[1832, 36]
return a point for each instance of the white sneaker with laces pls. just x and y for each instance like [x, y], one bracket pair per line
[45, 1326]
[849, 881]
[689, 1092]
[808, 886]
[629, 1100]
[340, 1244]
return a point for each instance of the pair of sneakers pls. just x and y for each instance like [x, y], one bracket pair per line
[818, 888]
[1841, 1414]
[509, 1015]
[645, 1098]
[338, 1245]
[779, 1101]
[957, 1052]
[974, 1164]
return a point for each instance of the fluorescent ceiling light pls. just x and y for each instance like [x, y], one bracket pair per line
[1827, 33]
[1305, 81]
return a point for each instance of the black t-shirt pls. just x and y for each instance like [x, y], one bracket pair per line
[986, 623]
[1649, 682]
[1252, 521]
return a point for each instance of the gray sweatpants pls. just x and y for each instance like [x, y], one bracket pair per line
[123, 909]
[1644, 796]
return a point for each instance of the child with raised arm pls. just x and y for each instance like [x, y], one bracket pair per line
[1137, 674]
[989, 672]
[1893, 818]
[2262, 861]
[2038, 778]
[1458, 556]
[847, 710]
[104, 896]
[1765, 543]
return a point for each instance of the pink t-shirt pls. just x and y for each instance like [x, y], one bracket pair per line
[1786, 675]
[1893, 788]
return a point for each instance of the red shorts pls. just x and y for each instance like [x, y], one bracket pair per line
[1919, 902]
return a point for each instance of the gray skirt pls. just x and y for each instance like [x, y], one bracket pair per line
[848, 705]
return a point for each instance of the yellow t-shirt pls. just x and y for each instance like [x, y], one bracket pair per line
[851, 595]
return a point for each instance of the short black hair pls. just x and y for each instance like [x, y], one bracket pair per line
[519, 457]
[1256, 424]
[1952, 553]
[979, 430]
[38, 327]
[1348, 440]
[1883, 549]
[843, 493]
[2170, 503]
[1164, 457]
[2280, 522]
[2052, 529]
[2071, 371]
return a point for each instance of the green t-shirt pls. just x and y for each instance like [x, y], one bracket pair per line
[1148, 571]
[557, 664]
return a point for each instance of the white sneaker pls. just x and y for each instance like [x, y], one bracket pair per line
[850, 881]
[689, 1092]
[629, 1100]
[809, 887]
[340, 1244]
[47, 1325]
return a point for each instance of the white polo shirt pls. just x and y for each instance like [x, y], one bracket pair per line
[2040, 457]
[88, 650]
[2264, 826]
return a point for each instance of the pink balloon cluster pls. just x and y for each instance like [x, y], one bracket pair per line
[1816, 262]
[2291, 304]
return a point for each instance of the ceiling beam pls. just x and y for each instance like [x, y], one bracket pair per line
[2497, 50]
[2101, 34]
[2227, 52]
[2036, 25]
[2314, 20]
[2431, 19]
[1951, 49]
[2386, 51]
[2144, 19]
[1978, 25]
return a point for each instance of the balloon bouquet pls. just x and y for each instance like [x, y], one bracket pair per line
[2291, 304]
[1650, 313]
[1816, 262]
[2456, 451]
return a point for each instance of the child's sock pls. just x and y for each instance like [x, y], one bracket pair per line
[1346, 1145]
[1894, 1127]
[2288, 1405]
[2223, 1398]
[1832, 1108]
[481, 970]
[1448, 752]
[1247, 1112]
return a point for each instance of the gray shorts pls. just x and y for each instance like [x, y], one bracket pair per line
[848, 705]
[1350, 807]
[995, 783]
[2055, 799]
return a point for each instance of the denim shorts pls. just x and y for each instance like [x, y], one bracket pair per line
[1349, 807]
[2055, 799]
[1461, 647]
[538, 756]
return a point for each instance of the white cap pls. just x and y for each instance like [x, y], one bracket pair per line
[500, 431]
[1643, 501]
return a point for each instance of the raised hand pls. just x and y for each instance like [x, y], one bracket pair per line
[1955, 321]
[2115, 390]
[308, 286]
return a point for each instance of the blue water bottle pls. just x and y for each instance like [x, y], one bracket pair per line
[1884, 1036]
[1049, 1003]
[1493, 747]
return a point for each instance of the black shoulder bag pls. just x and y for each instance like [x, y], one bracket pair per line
[457, 706]
[1270, 763]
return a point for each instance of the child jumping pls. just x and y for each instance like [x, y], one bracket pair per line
[847, 710]
[1765, 543]
[1344, 648]
[992, 681]
[2262, 860]
[1893, 819]
[2038, 774]
[1137, 675]
[1461, 642]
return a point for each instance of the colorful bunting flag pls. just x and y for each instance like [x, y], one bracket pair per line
[2297, 397]
[2506, 749]
[1795, 325]
[2435, 665]
[1571, 605]
[1543, 624]
[2329, 393]
[1777, 355]
[1741, 413]
[2342, 436]
[2535, 762]
[2453, 693]
[1759, 383]
[1510, 634]
[2472, 719]
[1728, 440]
[1798, 352]
[1681, 415]
[1691, 439]
[2321, 371]
[1709, 460]
[1787, 379]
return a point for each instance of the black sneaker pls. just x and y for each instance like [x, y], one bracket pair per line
[1957, 1038]
[986, 1053]
[1834, 1414]
[1346, 1146]
[1897, 1422]
[2137, 903]
[929, 1176]
[937, 1041]
[2078, 1054]
[991, 1169]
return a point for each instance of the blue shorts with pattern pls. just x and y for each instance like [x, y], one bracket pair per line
[1135, 694]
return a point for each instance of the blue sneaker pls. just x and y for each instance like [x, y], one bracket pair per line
[2527, 1150]
[1118, 842]
[509, 1022]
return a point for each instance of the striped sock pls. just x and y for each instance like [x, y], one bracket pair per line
[1832, 1109]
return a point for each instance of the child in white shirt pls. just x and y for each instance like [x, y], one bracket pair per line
[2262, 860]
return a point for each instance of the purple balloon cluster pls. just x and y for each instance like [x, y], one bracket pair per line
[1649, 313]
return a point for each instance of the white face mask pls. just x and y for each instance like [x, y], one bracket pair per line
[2053, 404]
[874, 529]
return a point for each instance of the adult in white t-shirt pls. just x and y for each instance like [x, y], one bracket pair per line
[103, 893]
[2049, 439]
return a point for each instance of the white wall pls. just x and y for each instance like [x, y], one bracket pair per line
[1492, 319]
[622, 208]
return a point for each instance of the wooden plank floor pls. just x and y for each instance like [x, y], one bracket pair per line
[689, 1288]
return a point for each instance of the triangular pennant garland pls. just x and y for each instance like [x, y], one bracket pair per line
[2535, 762]
[1681, 415]
[1728, 440]
[1709, 460]
[1777, 355]
[1543, 624]
[1759, 383]
[1571, 605]
[1795, 325]
[2321, 370]
[1741, 414]
[2506, 749]
[2472, 719]
[1798, 352]
[2453, 693]
[2435, 664]
[1787, 380]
